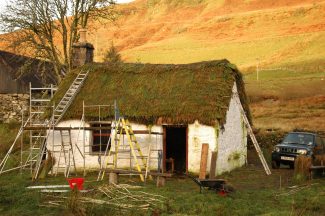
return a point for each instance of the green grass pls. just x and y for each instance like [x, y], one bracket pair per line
[255, 194]
[270, 51]
[8, 132]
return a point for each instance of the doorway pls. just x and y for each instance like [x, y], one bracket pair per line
[175, 149]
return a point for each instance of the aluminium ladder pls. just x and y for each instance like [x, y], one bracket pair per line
[66, 158]
[251, 134]
[70, 94]
[57, 114]
[40, 99]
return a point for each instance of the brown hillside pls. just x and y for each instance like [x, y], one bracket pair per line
[145, 27]
[164, 27]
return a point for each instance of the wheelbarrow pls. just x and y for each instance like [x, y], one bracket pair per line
[218, 185]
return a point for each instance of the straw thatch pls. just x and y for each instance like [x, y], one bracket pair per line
[148, 93]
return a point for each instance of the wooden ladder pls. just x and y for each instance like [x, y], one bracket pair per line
[252, 136]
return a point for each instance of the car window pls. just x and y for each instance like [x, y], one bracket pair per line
[299, 138]
[323, 141]
[319, 141]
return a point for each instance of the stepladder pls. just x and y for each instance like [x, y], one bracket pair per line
[65, 160]
[124, 148]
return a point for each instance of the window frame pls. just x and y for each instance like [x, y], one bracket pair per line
[100, 147]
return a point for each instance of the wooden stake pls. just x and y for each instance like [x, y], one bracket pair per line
[204, 160]
[213, 165]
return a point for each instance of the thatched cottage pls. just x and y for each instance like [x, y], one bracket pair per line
[188, 105]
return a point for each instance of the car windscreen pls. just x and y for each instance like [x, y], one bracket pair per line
[301, 139]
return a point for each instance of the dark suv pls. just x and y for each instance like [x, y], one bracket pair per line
[294, 144]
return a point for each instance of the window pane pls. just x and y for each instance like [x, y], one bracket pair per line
[101, 138]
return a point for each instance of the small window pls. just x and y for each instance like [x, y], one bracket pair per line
[319, 142]
[101, 137]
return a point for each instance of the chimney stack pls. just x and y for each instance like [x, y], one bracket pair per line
[82, 51]
[83, 35]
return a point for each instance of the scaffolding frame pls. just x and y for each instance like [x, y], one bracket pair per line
[40, 129]
[39, 100]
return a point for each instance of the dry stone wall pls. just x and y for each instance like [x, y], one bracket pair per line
[11, 106]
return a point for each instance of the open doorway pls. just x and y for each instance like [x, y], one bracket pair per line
[175, 149]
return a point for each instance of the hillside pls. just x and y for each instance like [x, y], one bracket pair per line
[284, 33]
[284, 39]
[279, 45]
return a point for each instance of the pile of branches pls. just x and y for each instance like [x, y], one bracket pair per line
[123, 198]
[119, 197]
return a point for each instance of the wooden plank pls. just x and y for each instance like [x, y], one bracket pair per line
[164, 149]
[186, 160]
[120, 171]
[88, 128]
[316, 167]
[204, 160]
[213, 165]
[47, 186]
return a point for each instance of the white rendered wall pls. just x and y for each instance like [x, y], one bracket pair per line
[232, 142]
[92, 159]
[231, 146]
[197, 135]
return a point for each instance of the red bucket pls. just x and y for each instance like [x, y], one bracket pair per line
[222, 193]
[76, 182]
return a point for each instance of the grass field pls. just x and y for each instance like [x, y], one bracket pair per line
[271, 51]
[287, 99]
[255, 194]
[7, 136]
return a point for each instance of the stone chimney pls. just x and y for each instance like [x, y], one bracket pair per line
[82, 51]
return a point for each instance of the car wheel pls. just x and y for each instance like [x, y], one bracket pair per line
[275, 165]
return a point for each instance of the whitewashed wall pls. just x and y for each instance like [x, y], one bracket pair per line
[232, 142]
[197, 135]
[92, 159]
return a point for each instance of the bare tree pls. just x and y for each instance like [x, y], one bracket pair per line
[48, 28]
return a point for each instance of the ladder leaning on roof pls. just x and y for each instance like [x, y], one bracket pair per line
[66, 147]
[70, 94]
[251, 134]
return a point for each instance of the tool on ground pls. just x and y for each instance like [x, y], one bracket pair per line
[218, 185]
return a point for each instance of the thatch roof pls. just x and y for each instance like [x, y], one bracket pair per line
[149, 93]
[17, 71]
